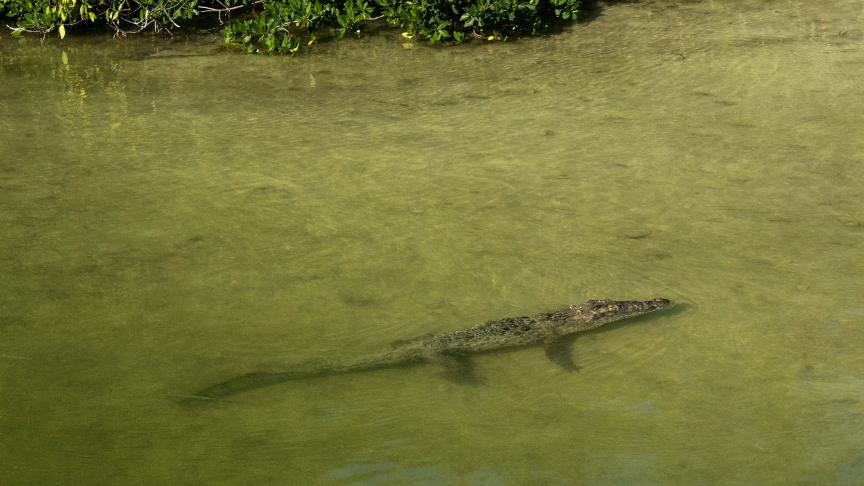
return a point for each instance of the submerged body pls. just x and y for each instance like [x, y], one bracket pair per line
[449, 348]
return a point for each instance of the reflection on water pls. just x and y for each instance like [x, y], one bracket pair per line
[174, 216]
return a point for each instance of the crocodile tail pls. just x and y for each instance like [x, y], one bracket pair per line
[310, 369]
[373, 362]
[244, 383]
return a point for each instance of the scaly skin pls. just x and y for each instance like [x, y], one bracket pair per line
[447, 348]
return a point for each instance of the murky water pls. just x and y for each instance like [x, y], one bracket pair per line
[173, 216]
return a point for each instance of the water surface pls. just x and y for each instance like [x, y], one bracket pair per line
[174, 215]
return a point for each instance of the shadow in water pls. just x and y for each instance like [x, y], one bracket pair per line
[591, 10]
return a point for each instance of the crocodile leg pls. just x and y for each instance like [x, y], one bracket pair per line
[560, 352]
[459, 369]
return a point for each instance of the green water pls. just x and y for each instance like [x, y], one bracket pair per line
[173, 215]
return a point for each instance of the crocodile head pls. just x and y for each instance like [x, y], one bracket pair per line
[595, 313]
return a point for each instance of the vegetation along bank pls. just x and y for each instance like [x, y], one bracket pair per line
[286, 25]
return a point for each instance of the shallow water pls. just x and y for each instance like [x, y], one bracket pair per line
[174, 215]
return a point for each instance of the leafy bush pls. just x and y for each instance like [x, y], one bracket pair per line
[124, 16]
[284, 25]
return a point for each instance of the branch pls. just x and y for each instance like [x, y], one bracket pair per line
[227, 9]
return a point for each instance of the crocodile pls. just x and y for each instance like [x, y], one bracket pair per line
[451, 348]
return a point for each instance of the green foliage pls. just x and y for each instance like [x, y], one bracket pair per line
[282, 24]
[124, 16]
[435, 20]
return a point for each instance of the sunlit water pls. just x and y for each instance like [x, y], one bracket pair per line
[173, 215]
